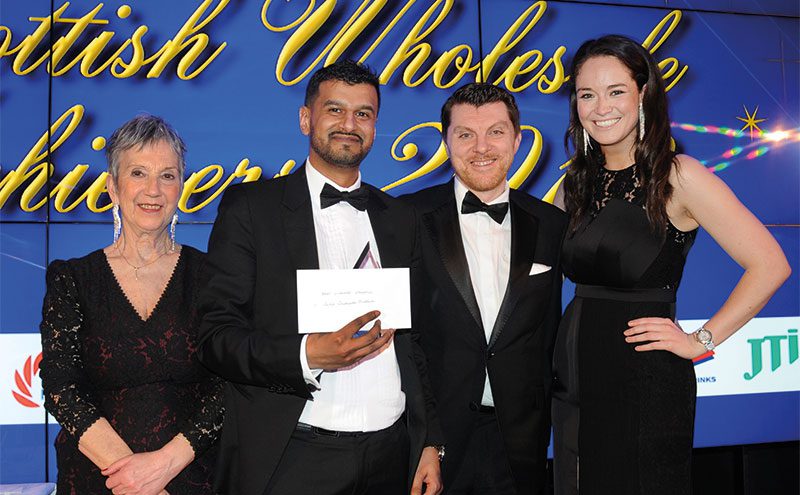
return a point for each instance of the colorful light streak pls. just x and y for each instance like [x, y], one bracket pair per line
[719, 167]
[760, 151]
[732, 152]
[710, 129]
[767, 140]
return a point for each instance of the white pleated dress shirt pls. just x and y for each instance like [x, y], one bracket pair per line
[368, 396]
[487, 245]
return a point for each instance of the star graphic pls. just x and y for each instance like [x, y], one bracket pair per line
[751, 122]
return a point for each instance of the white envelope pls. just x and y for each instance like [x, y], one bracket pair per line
[327, 300]
[538, 268]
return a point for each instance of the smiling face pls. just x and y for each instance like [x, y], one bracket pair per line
[608, 103]
[341, 124]
[481, 143]
[147, 187]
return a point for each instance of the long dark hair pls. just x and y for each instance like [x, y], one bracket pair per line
[653, 154]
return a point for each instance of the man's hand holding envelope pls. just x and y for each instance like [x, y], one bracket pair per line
[329, 298]
[332, 351]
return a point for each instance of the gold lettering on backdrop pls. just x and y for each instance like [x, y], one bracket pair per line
[360, 19]
[550, 195]
[439, 157]
[415, 51]
[278, 29]
[530, 160]
[413, 45]
[286, 169]
[33, 172]
[193, 186]
[517, 66]
[187, 45]
[410, 150]
[547, 75]
[33, 166]
[669, 66]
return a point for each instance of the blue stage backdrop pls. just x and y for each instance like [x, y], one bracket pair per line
[230, 76]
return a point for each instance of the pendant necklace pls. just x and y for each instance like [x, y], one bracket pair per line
[136, 268]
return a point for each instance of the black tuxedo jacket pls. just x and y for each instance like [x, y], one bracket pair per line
[518, 355]
[263, 233]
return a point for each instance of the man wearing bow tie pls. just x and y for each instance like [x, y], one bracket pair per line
[492, 302]
[328, 413]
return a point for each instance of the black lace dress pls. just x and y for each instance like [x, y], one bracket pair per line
[623, 420]
[100, 359]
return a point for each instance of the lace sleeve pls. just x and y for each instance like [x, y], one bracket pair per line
[202, 428]
[66, 387]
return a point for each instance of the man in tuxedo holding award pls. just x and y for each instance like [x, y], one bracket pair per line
[316, 413]
[492, 302]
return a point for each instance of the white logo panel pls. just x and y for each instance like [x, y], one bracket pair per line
[761, 357]
[21, 399]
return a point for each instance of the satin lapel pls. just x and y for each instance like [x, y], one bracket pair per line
[524, 229]
[298, 222]
[443, 226]
[380, 219]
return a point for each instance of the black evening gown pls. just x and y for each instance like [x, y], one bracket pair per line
[623, 420]
[100, 359]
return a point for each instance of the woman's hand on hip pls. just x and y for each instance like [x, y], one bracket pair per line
[662, 334]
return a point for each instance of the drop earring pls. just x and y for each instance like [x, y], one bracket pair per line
[117, 222]
[587, 145]
[641, 121]
[172, 231]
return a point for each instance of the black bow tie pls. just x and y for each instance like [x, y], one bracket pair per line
[357, 198]
[472, 204]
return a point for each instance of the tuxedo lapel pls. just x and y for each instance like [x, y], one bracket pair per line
[443, 226]
[380, 219]
[298, 222]
[524, 229]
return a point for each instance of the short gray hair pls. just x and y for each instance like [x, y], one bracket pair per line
[142, 130]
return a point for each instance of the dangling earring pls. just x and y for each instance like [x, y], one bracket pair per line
[117, 222]
[172, 231]
[587, 145]
[641, 121]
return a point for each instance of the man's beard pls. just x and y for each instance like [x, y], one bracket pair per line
[343, 158]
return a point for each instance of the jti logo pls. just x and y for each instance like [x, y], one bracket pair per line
[775, 346]
[24, 381]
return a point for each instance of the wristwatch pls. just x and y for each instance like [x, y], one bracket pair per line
[703, 335]
[439, 451]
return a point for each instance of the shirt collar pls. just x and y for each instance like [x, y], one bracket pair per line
[316, 181]
[461, 191]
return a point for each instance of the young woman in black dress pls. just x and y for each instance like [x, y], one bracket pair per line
[624, 396]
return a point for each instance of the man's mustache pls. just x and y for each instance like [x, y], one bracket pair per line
[349, 134]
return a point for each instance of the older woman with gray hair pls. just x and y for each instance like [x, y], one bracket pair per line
[139, 414]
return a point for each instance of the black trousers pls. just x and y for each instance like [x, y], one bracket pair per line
[566, 419]
[374, 463]
[484, 469]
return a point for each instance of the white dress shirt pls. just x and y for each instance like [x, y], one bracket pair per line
[487, 245]
[368, 396]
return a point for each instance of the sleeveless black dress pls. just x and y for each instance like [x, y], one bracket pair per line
[623, 420]
[100, 359]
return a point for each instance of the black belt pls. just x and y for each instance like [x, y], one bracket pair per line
[627, 295]
[329, 433]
